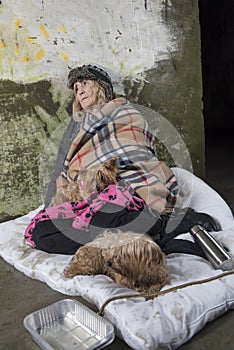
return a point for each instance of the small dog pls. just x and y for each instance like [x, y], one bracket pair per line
[130, 259]
[88, 180]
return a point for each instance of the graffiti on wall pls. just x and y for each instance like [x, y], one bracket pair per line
[41, 39]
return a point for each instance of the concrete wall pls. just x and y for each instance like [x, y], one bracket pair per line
[151, 50]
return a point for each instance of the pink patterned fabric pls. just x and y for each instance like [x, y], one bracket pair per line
[83, 211]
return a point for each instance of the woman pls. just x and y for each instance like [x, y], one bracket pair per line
[103, 127]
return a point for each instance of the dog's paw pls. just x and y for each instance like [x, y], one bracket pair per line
[69, 272]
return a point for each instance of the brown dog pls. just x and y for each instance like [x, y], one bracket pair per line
[131, 259]
[89, 180]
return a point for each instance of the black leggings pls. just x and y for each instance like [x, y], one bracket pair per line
[58, 235]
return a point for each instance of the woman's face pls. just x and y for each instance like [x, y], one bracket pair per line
[85, 93]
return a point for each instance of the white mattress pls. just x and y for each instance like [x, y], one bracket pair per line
[165, 322]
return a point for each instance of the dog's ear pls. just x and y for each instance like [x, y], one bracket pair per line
[111, 163]
[107, 173]
[86, 261]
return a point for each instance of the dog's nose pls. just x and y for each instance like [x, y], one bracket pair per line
[109, 263]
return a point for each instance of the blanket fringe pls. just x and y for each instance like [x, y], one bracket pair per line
[148, 296]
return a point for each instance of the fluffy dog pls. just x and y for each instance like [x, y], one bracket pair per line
[130, 259]
[89, 180]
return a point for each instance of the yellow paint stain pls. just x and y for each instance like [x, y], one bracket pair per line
[10, 62]
[31, 40]
[40, 54]
[18, 23]
[17, 50]
[121, 66]
[25, 59]
[64, 56]
[2, 44]
[44, 31]
[62, 29]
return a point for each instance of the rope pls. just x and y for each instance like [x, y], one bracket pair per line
[166, 291]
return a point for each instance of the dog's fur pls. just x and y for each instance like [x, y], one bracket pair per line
[130, 259]
[93, 178]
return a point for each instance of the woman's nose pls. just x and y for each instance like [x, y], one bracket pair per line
[81, 91]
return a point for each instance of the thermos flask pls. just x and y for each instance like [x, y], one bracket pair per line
[214, 251]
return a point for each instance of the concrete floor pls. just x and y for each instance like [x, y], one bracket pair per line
[21, 295]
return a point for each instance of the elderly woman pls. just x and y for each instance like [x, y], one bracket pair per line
[103, 127]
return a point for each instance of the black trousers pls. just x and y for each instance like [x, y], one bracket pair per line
[58, 236]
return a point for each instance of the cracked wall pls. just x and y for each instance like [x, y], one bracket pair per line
[151, 49]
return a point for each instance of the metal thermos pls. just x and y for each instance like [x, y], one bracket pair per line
[214, 251]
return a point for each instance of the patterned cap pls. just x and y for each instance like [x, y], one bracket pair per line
[91, 72]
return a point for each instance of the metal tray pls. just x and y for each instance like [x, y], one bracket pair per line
[69, 325]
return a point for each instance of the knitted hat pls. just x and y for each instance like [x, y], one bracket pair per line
[91, 72]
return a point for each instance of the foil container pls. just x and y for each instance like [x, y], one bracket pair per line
[69, 325]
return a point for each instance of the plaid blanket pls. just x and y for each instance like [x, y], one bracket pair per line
[118, 128]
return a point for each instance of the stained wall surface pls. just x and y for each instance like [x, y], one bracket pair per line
[151, 49]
